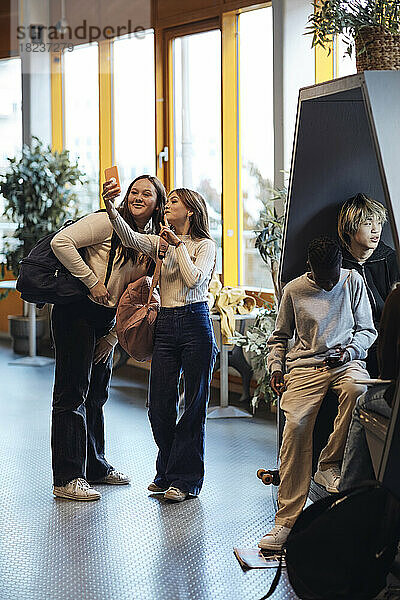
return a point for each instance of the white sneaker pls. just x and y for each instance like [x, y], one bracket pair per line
[275, 538]
[156, 489]
[77, 489]
[175, 494]
[329, 479]
[114, 478]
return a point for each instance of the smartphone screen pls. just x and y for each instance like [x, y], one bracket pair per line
[111, 174]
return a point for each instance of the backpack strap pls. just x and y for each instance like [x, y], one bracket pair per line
[111, 257]
[156, 275]
[276, 579]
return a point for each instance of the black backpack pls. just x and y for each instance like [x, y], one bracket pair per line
[342, 546]
[44, 279]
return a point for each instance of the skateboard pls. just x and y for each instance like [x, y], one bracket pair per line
[268, 476]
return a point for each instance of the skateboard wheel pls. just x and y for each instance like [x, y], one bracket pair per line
[267, 479]
[261, 473]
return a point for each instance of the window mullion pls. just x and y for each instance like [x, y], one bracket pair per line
[105, 111]
[57, 102]
[231, 198]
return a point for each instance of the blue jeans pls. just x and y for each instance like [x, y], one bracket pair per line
[184, 342]
[80, 391]
[357, 463]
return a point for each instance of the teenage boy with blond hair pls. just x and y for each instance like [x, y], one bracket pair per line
[328, 312]
[360, 224]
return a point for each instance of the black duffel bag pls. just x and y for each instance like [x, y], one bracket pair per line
[43, 278]
[342, 546]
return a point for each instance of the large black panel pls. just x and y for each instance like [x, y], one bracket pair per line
[334, 158]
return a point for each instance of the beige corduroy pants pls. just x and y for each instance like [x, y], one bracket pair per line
[305, 390]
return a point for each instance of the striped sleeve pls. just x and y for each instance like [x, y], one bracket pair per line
[132, 239]
[194, 273]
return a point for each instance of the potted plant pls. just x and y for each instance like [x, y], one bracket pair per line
[269, 244]
[373, 26]
[39, 194]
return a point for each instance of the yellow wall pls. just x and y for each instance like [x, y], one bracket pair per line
[12, 305]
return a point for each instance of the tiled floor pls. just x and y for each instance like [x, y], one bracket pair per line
[128, 545]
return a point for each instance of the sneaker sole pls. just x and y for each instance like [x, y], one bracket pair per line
[270, 546]
[110, 482]
[72, 497]
[174, 498]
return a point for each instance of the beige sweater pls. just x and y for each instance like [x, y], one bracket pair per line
[94, 233]
[186, 270]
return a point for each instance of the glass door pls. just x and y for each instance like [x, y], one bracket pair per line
[196, 122]
[81, 78]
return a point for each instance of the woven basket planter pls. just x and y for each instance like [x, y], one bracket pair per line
[377, 49]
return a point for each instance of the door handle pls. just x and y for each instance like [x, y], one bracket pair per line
[163, 157]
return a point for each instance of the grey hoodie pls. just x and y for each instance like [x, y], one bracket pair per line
[323, 322]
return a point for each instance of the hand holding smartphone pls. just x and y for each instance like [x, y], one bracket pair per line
[337, 359]
[111, 175]
[112, 186]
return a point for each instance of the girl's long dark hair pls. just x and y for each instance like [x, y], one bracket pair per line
[199, 226]
[124, 254]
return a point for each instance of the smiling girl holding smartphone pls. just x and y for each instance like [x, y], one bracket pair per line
[184, 338]
[84, 338]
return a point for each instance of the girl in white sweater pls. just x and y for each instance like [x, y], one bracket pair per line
[84, 338]
[184, 338]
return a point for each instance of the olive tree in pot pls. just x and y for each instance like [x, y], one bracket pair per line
[373, 26]
[39, 190]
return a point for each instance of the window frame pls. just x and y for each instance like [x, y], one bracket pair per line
[232, 203]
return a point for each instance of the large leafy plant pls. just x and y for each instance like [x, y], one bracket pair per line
[269, 244]
[255, 343]
[349, 17]
[39, 189]
[269, 234]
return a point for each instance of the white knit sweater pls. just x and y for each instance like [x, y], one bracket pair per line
[186, 270]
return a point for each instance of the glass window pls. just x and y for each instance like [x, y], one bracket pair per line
[197, 122]
[81, 97]
[134, 112]
[346, 65]
[10, 127]
[256, 134]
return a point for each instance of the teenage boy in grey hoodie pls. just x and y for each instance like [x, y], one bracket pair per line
[329, 313]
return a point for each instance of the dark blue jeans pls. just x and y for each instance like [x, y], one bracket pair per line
[80, 391]
[184, 342]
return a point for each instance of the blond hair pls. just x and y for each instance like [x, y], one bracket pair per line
[354, 212]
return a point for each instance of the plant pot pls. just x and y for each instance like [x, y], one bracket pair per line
[377, 50]
[19, 331]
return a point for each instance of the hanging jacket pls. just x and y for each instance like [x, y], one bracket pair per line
[380, 271]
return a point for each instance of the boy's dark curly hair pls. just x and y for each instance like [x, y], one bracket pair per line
[324, 252]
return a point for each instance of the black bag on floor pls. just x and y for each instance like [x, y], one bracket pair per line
[342, 547]
[44, 279]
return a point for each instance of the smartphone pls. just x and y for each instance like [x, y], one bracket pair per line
[111, 174]
[333, 359]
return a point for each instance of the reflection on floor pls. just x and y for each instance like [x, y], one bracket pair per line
[128, 545]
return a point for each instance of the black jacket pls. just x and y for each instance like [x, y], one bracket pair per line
[389, 342]
[380, 271]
